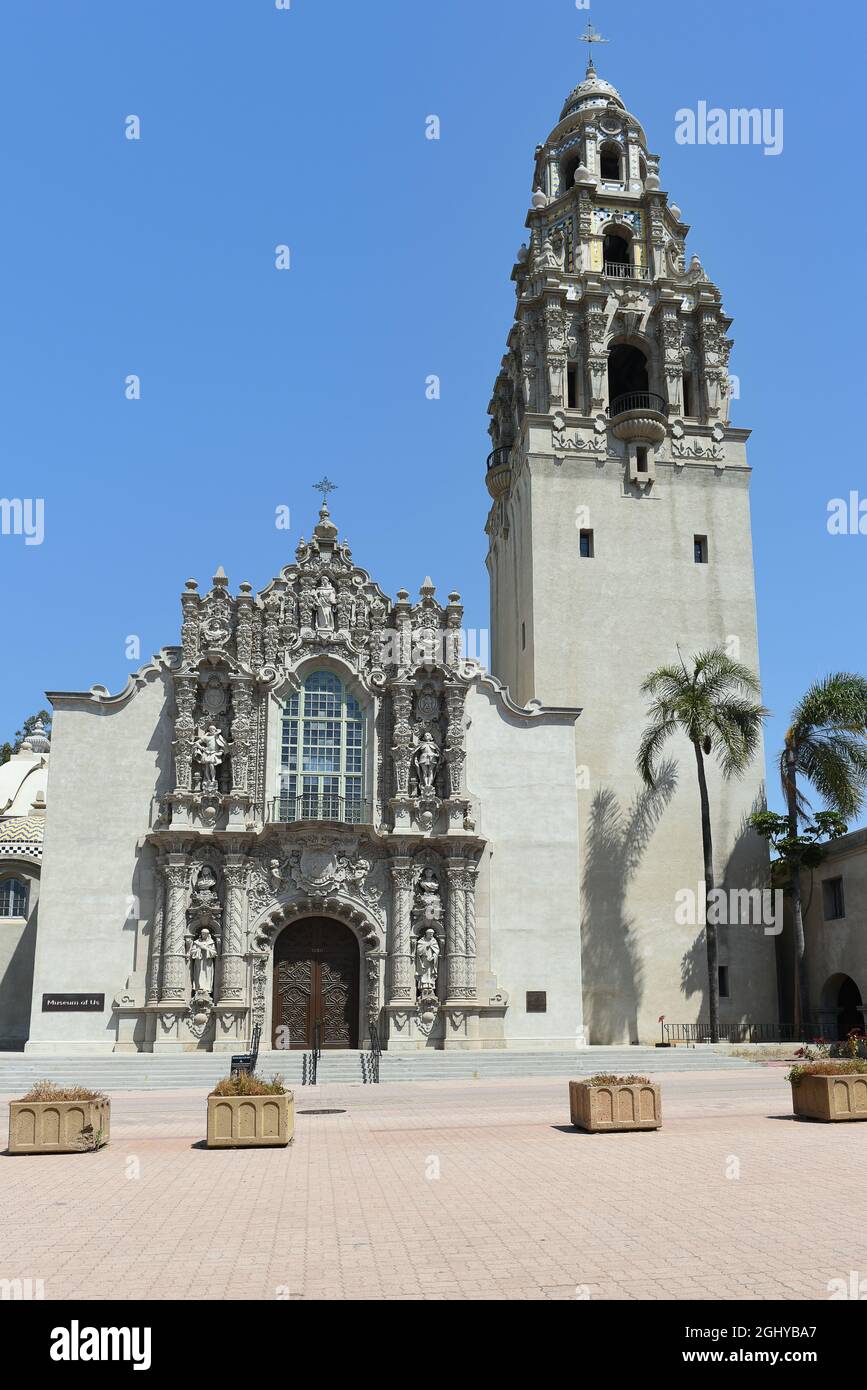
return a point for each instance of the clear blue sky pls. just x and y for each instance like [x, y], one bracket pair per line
[262, 126]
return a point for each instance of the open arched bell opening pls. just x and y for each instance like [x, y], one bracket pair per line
[627, 372]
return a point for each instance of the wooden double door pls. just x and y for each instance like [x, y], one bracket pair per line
[316, 979]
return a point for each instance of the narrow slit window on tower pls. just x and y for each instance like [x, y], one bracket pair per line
[641, 459]
[687, 393]
[523, 636]
[585, 545]
[723, 972]
[700, 549]
[572, 387]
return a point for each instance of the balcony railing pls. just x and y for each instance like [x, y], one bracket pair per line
[638, 400]
[348, 810]
[618, 271]
[499, 458]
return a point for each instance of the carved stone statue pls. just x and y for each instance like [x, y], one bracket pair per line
[203, 956]
[325, 598]
[275, 875]
[426, 761]
[205, 892]
[427, 955]
[209, 750]
[428, 904]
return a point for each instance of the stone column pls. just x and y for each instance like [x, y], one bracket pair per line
[461, 931]
[232, 959]
[156, 938]
[175, 987]
[456, 931]
[470, 908]
[402, 974]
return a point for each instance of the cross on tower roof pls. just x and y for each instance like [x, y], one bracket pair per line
[590, 38]
[325, 486]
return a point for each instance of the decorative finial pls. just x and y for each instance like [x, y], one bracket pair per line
[325, 486]
[590, 38]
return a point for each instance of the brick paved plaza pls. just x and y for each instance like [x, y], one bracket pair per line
[450, 1190]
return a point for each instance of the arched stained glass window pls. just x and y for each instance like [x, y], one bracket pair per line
[322, 753]
[13, 897]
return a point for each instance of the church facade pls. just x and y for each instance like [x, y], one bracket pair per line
[315, 815]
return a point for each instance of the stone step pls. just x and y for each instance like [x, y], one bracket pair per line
[148, 1071]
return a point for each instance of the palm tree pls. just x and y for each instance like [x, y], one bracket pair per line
[712, 703]
[826, 743]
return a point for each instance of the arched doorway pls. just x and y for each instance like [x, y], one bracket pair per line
[849, 1015]
[841, 1009]
[316, 979]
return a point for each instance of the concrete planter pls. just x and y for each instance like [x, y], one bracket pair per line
[249, 1122]
[831, 1097]
[601, 1109]
[58, 1126]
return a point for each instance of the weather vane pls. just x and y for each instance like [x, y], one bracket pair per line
[590, 38]
[325, 486]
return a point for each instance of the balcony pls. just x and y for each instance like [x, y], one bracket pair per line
[343, 810]
[641, 416]
[498, 474]
[615, 270]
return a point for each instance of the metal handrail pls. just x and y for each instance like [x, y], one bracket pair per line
[320, 806]
[619, 270]
[316, 1052]
[638, 400]
[375, 1052]
[499, 458]
[735, 1032]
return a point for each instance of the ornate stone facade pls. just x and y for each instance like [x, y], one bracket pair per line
[234, 860]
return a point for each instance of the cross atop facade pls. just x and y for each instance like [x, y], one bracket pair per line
[325, 486]
[590, 38]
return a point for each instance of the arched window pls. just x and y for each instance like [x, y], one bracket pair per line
[617, 255]
[322, 753]
[13, 897]
[611, 162]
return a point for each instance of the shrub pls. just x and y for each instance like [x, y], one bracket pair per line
[826, 1069]
[47, 1090]
[245, 1085]
[603, 1078]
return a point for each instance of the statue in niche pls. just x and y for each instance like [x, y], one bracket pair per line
[325, 598]
[205, 893]
[209, 749]
[426, 761]
[552, 252]
[428, 903]
[275, 875]
[203, 957]
[427, 955]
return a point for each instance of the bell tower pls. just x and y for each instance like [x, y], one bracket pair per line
[619, 529]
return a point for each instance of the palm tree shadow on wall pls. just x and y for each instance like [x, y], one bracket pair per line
[747, 866]
[616, 844]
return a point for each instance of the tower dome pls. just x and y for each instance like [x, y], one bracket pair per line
[592, 93]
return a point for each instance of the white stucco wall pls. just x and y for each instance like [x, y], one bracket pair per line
[600, 626]
[109, 759]
[523, 772]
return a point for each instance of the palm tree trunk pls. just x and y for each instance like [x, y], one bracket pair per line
[800, 992]
[710, 931]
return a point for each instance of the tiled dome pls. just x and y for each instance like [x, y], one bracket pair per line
[21, 834]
